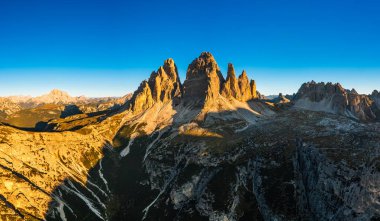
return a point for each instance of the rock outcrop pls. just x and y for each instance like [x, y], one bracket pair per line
[165, 83]
[334, 98]
[231, 86]
[203, 85]
[239, 88]
[142, 99]
[203, 80]
[253, 89]
[245, 87]
[162, 86]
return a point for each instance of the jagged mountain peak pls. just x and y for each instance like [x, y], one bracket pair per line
[333, 98]
[142, 98]
[206, 55]
[230, 71]
[203, 80]
[354, 91]
[254, 89]
[204, 64]
[54, 96]
[203, 85]
[169, 62]
[240, 88]
[328, 84]
[171, 69]
[323, 87]
[231, 86]
[245, 87]
[243, 75]
[163, 85]
[58, 92]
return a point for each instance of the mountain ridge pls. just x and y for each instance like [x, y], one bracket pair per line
[205, 86]
[334, 98]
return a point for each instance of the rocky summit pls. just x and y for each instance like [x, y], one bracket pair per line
[335, 99]
[239, 88]
[212, 148]
[203, 80]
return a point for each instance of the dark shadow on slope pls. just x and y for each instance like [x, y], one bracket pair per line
[19, 128]
[70, 110]
[119, 188]
[122, 187]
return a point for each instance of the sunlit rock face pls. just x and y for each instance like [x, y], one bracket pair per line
[165, 83]
[142, 98]
[334, 98]
[204, 83]
[241, 88]
[32, 165]
[203, 80]
[231, 86]
[245, 87]
[253, 89]
[162, 86]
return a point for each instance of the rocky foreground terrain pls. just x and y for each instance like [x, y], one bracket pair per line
[208, 149]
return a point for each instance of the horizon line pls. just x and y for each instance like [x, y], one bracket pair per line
[270, 81]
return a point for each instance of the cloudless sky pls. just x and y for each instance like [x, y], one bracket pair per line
[106, 48]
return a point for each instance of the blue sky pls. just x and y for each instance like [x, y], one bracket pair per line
[106, 48]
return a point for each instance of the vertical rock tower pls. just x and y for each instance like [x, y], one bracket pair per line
[162, 86]
[204, 84]
[203, 80]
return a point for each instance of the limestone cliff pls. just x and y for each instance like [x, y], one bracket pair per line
[203, 80]
[245, 87]
[253, 89]
[142, 98]
[334, 98]
[162, 86]
[241, 89]
[165, 83]
[203, 86]
[231, 86]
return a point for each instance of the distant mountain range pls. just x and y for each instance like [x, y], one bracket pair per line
[210, 148]
[27, 111]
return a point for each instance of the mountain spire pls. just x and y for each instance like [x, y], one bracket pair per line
[142, 98]
[231, 86]
[203, 80]
[245, 87]
[162, 86]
